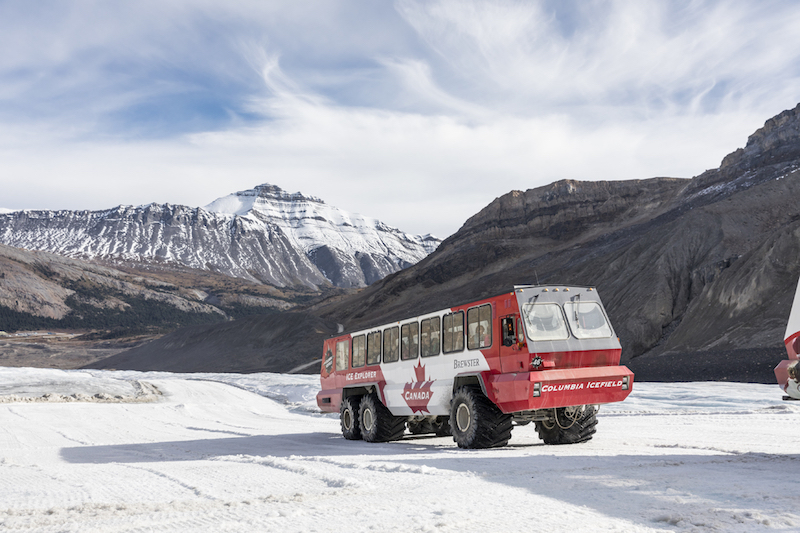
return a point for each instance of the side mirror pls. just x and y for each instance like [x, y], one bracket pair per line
[508, 341]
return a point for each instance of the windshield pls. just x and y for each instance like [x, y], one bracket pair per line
[544, 322]
[587, 320]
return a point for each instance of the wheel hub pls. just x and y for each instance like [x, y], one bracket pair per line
[463, 417]
[367, 418]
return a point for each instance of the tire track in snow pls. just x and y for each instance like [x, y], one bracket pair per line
[292, 465]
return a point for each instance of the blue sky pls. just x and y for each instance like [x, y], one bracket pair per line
[418, 113]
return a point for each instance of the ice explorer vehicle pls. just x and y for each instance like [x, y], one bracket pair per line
[788, 371]
[542, 354]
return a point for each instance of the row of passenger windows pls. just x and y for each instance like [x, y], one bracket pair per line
[427, 338]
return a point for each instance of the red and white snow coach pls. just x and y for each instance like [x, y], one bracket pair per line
[788, 372]
[542, 354]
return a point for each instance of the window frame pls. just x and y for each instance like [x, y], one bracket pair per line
[394, 355]
[429, 321]
[480, 310]
[577, 331]
[374, 358]
[411, 348]
[345, 357]
[363, 341]
[527, 323]
[445, 333]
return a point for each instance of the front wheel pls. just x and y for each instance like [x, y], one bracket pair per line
[348, 417]
[476, 422]
[377, 423]
[569, 425]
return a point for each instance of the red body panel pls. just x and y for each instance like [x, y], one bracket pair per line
[792, 344]
[558, 388]
[781, 374]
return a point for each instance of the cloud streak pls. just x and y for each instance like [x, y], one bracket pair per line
[417, 113]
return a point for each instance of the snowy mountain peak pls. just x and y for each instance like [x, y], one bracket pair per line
[340, 244]
[266, 190]
[262, 233]
[242, 202]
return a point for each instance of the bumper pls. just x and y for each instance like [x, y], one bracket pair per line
[526, 391]
[329, 400]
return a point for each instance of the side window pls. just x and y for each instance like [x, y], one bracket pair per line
[509, 331]
[327, 362]
[453, 332]
[391, 348]
[342, 354]
[409, 341]
[359, 345]
[374, 348]
[429, 337]
[479, 327]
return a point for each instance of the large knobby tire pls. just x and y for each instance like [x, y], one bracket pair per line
[571, 425]
[377, 423]
[476, 422]
[349, 418]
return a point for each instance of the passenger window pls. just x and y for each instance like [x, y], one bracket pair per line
[374, 348]
[409, 341]
[429, 337]
[359, 345]
[453, 332]
[342, 354]
[479, 326]
[391, 349]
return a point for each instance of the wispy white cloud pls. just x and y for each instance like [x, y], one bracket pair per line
[418, 114]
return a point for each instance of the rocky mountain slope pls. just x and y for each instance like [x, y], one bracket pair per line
[263, 234]
[43, 290]
[697, 274]
[694, 273]
[40, 290]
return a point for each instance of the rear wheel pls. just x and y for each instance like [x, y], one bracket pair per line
[569, 425]
[348, 417]
[377, 423]
[476, 422]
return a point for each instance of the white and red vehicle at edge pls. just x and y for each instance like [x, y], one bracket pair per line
[542, 354]
[787, 372]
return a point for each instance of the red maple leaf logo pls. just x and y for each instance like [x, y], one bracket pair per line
[418, 394]
[419, 370]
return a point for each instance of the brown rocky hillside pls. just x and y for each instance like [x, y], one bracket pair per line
[697, 274]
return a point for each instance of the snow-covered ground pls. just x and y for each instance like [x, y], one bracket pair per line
[104, 452]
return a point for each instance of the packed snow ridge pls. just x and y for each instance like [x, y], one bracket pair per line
[263, 234]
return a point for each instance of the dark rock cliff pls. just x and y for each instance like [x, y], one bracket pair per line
[689, 270]
[698, 275]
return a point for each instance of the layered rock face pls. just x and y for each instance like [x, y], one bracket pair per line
[262, 234]
[69, 292]
[684, 266]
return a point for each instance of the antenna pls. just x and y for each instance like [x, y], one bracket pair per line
[537, 276]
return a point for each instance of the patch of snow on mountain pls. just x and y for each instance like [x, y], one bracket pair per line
[310, 224]
[263, 234]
